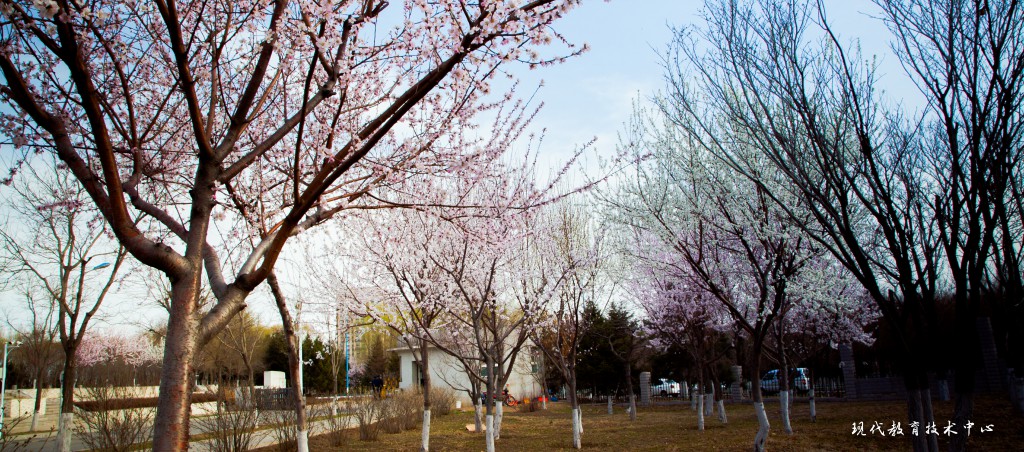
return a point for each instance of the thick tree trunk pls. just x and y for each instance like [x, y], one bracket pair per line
[721, 411]
[171, 427]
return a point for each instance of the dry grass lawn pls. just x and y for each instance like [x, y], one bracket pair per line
[673, 428]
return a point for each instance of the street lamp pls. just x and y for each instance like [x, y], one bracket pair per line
[3, 384]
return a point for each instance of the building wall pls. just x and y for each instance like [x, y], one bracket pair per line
[447, 372]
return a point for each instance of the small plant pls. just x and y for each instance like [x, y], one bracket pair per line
[109, 426]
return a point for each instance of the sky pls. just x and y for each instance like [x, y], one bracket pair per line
[592, 95]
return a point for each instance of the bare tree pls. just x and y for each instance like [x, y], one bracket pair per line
[60, 256]
[40, 352]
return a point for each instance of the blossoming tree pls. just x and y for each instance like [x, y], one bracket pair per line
[169, 109]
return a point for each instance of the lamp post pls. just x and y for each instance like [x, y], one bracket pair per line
[3, 385]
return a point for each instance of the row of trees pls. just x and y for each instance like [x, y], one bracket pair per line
[778, 191]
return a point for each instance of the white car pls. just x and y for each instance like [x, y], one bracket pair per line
[799, 377]
[665, 388]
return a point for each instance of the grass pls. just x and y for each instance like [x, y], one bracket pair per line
[673, 428]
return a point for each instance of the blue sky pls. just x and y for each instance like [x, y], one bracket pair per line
[592, 95]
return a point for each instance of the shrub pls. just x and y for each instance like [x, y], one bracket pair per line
[442, 401]
[367, 412]
[337, 422]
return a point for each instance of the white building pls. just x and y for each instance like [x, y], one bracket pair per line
[446, 372]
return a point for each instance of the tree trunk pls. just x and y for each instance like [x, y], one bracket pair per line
[700, 410]
[65, 423]
[577, 421]
[425, 371]
[784, 392]
[171, 427]
[721, 411]
[919, 410]
[499, 412]
[784, 411]
[629, 388]
[294, 365]
[477, 409]
[489, 434]
[763, 427]
[610, 410]
[38, 401]
[814, 409]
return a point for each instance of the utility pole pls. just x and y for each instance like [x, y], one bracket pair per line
[3, 384]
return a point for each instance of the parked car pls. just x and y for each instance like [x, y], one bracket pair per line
[665, 388]
[799, 380]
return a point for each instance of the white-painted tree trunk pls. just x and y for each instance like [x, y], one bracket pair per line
[35, 421]
[762, 427]
[302, 440]
[425, 435]
[610, 409]
[577, 428]
[709, 404]
[498, 415]
[693, 400]
[814, 409]
[721, 412]
[478, 416]
[489, 435]
[632, 406]
[544, 403]
[579, 415]
[700, 411]
[784, 412]
[64, 432]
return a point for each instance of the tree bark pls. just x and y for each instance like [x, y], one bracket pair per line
[171, 427]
